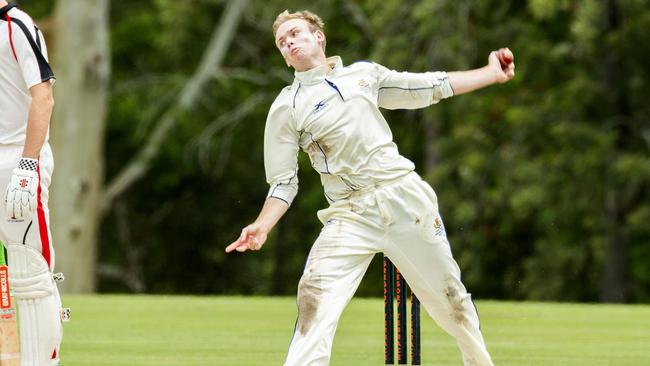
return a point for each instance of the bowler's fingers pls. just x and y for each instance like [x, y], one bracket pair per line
[494, 55]
[250, 244]
[241, 242]
[247, 241]
[233, 246]
[510, 71]
[502, 58]
[242, 248]
[239, 246]
[254, 243]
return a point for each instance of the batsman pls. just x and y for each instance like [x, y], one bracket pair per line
[26, 166]
[377, 203]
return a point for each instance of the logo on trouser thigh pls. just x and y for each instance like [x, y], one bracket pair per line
[438, 227]
[431, 227]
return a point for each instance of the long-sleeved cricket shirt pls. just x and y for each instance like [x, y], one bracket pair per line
[335, 119]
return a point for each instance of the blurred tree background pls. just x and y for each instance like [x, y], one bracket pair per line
[544, 182]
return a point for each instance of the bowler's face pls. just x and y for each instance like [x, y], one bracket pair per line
[298, 44]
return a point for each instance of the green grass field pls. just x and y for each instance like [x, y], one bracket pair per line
[245, 331]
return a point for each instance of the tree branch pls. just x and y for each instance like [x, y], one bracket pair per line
[131, 273]
[203, 142]
[359, 18]
[208, 67]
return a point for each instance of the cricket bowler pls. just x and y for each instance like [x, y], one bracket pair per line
[377, 203]
[26, 165]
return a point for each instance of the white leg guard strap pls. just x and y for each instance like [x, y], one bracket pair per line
[39, 306]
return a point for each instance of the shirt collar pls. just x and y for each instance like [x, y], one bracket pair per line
[319, 73]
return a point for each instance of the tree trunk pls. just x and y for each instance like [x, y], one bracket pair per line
[615, 286]
[82, 67]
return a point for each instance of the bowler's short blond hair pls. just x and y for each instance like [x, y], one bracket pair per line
[315, 22]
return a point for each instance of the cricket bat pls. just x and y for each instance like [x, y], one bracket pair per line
[9, 339]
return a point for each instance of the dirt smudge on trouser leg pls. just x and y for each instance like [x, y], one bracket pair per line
[309, 293]
[456, 302]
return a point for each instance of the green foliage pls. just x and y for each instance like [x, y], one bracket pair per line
[38, 9]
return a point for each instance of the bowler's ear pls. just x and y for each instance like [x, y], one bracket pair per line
[320, 36]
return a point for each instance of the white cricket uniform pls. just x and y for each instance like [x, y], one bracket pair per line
[23, 64]
[377, 202]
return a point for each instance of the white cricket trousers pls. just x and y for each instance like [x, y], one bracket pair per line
[399, 218]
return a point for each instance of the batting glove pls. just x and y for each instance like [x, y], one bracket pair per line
[20, 198]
